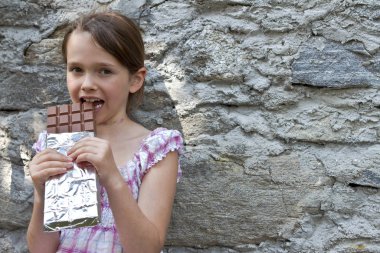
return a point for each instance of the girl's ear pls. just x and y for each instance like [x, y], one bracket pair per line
[137, 80]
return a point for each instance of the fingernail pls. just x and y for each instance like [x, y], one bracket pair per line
[69, 165]
[69, 158]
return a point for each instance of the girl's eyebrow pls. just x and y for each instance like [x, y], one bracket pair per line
[100, 64]
[73, 63]
[105, 64]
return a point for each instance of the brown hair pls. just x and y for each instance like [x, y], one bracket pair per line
[120, 37]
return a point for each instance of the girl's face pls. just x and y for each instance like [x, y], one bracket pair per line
[95, 76]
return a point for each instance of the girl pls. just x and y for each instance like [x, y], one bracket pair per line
[137, 168]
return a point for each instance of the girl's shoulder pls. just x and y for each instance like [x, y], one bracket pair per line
[163, 134]
[157, 145]
[162, 140]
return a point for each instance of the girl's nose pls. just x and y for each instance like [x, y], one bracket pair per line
[88, 83]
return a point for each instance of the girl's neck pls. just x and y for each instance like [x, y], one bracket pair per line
[124, 136]
[113, 129]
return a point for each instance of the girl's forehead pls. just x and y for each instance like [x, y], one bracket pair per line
[83, 49]
[83, 39]
[82, 35]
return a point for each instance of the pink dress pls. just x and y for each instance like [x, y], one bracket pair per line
[103, 237]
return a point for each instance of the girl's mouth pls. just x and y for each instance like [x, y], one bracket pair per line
[98, 103]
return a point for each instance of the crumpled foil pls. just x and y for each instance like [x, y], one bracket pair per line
[71, 199]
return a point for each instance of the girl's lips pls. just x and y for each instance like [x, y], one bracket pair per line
[89, 99]
[97, 102]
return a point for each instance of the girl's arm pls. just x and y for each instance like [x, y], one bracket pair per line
[45, 164]
[142, 226]
[38, 240]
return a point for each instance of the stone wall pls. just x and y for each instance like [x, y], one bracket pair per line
[278, 101]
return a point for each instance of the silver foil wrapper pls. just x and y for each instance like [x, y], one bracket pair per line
[71, 199]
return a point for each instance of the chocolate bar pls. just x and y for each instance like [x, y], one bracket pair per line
[70, 118]
[71, 199]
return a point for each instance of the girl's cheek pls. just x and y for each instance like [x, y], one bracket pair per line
[73, 91]
[74, 97]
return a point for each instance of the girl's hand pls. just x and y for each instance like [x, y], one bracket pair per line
[97, 152]
[45, 164]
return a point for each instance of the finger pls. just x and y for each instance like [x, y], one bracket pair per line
[44, 175]
[90, 141]
[87, 157]
[80, 144]
[51, 164]
[82, 150]
[50, 155]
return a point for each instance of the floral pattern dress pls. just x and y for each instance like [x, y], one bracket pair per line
[103, 237]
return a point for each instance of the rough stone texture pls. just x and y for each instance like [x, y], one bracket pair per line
[324, 63]
[278, 102]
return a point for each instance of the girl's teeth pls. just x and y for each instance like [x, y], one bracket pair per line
[91, 100]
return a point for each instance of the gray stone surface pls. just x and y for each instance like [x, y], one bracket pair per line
[324, 63]
[278, 102]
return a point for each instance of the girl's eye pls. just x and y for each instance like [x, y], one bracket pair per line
[105, 72]
[75, 69]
